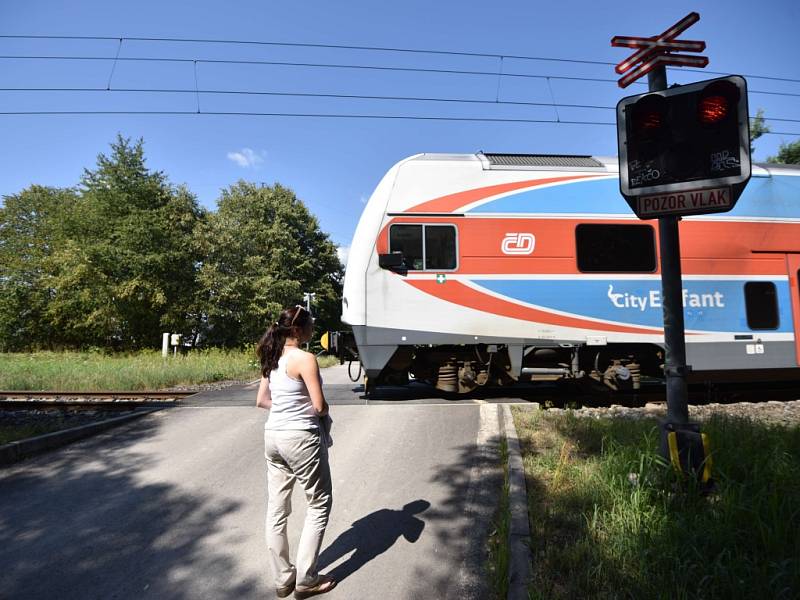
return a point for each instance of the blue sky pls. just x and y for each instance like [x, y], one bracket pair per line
[334, 164]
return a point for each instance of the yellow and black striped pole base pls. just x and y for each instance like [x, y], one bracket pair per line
[688, 450]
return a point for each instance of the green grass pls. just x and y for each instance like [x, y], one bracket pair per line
[598, 534]
[498, 560]
[87, 371]
[326, 361]
[147, 370]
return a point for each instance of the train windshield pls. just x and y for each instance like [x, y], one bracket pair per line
[425, 247]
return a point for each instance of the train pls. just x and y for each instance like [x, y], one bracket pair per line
[471, 270]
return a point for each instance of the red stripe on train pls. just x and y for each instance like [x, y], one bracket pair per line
[458, 293]
[452, 202]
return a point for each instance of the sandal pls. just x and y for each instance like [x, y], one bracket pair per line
[284, 591]
[324, 584]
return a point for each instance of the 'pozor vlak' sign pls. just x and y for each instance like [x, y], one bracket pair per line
[684, 203]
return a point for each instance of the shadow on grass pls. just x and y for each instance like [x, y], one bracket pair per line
[87, 523]
[609, 519]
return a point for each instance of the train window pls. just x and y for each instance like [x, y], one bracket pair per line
[408, 240]
[615, 248]
[440, 247]
[431, 247]
[761, 304]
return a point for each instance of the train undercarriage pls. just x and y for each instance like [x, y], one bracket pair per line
[464, 368]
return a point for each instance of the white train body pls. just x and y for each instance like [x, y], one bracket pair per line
[538, 263]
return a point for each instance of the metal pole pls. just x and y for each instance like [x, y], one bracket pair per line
[307, 296]
[675, 368]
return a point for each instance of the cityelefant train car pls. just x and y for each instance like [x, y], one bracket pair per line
[486, 269]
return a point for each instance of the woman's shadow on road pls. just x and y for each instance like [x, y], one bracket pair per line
[373, 535]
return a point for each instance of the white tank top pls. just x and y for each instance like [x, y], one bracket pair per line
[291, 404]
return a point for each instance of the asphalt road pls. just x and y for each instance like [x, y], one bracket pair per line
[173, 505]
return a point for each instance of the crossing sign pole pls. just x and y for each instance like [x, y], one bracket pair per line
[652, 56]
[675, 369]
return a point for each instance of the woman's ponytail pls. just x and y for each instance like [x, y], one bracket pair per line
[270, 347]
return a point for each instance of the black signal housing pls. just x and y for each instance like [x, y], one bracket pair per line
[685, 138]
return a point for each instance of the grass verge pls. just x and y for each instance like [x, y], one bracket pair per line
[147, 370]
[88, 371]
[326, 361]
[498, 560]
[607, 520]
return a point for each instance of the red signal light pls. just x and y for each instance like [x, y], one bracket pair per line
[650, 121]
[713, 109]
[717, 102]
[649, 117]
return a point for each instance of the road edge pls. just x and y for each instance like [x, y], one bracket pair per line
[520, 566]
[16, 451]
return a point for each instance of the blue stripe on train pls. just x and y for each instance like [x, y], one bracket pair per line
[712, 305]
[775, 197]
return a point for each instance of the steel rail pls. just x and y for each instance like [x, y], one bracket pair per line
[112, 395]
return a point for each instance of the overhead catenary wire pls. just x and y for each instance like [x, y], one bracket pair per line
[329, 116]
[198, 91]
[363, 48]
[499, 74]
[343, 66]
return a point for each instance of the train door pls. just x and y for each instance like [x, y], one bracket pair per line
[793, 265]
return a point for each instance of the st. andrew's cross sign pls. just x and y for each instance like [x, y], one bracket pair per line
[657, 51]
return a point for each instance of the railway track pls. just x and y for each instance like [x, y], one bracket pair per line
[106, 400]
[572, 396]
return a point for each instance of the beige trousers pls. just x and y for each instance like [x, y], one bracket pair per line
[296, 455]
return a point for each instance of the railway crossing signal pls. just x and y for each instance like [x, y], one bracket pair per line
[682, 151]
[685, 150]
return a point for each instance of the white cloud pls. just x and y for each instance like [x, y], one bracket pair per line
[247, 158]
[343, 252]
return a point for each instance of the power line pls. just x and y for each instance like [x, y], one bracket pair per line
[344, 66]
[494, 55]
[339, 96]
[326, 116]
[277, 63]
[312, 115]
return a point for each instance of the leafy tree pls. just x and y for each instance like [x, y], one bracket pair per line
[128, 269]
[758, 127]
[788, 154]
[32, 230]
[262, 250]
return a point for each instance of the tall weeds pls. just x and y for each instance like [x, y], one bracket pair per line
[86, 371]
[611, 520]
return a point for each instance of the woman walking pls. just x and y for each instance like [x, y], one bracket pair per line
[291, 388]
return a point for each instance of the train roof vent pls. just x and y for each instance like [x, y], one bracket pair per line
[543, 160]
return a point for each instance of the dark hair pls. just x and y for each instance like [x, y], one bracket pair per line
[291, 323]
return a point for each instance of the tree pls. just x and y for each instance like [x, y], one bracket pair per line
[788, 154]
[758, 127]
[32, 230]
[128, 269]
[262, 250]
